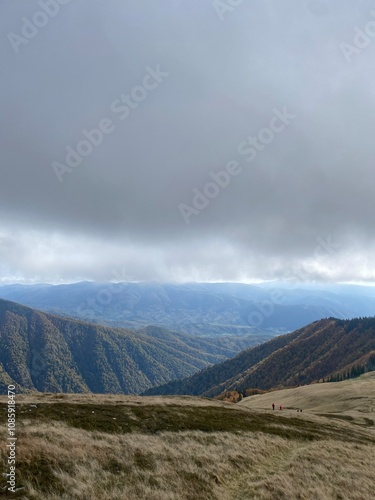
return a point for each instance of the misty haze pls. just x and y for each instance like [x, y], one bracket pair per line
[187, 299]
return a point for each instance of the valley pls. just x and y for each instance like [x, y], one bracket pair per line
[84, 433]
[201, 309]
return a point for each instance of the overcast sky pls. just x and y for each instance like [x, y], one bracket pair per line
[277, 94]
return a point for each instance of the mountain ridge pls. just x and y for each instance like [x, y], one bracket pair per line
[319, 350]
[202, 309]
[46, 352]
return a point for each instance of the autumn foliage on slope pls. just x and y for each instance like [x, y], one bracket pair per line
[307, 355]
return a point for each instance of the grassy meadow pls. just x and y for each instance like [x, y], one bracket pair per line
[353, 399]
[111, 447]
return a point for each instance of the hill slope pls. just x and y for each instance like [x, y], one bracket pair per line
[198, 308]
[183, 448]
[49, 353]
[352, 400]
[317, 351]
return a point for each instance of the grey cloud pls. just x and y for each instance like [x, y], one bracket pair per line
[119, 207]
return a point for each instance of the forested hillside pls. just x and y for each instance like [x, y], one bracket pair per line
[323, 349]
[45, 352]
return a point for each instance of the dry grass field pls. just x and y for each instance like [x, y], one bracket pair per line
[353, 399]
[172, 448]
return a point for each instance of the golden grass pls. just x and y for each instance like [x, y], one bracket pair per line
[190, 465]
[353, 399]
[115, 399]
[322, 459]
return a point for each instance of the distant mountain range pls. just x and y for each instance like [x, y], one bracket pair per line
[201, 309]
[329, 348]
[49, 353]
[44, 352]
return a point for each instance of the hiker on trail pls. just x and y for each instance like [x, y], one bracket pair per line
[281, 407]
[273, 406]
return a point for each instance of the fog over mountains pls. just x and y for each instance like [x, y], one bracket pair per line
[187, 215]
[203, 309]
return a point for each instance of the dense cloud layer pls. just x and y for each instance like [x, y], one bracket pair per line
[233, 140]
